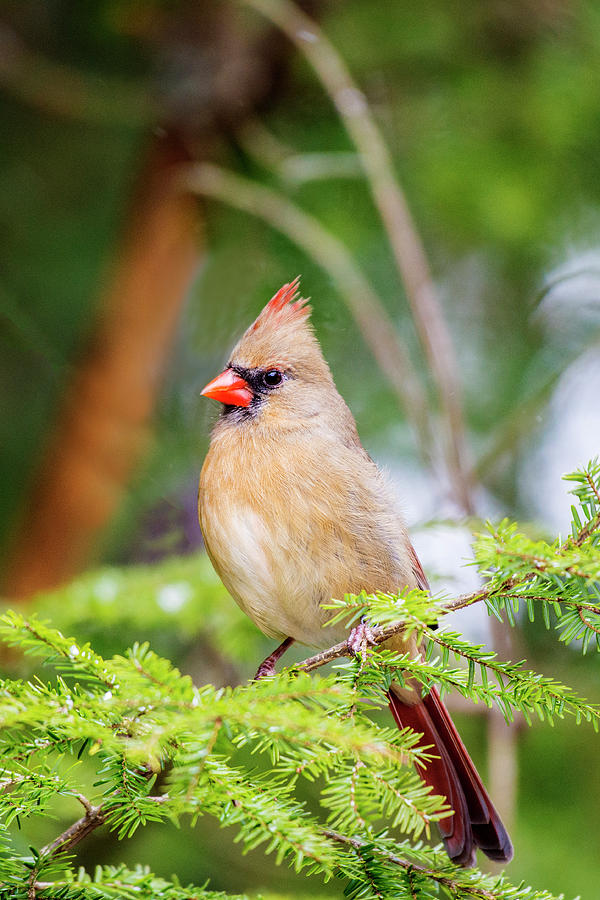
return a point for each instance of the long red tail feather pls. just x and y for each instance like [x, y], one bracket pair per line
[475, 822]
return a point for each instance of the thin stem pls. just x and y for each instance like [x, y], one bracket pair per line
[407, 247]
[587, 622]
[288, 164]
[94, 817]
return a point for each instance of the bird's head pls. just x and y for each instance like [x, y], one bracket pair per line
[277, 369]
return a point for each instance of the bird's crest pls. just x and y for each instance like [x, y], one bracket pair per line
[281, 334]
[285, 307]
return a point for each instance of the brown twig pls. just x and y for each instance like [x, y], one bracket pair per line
[93, 818]
[404, 238]
[587, 622]
[378, 636]
[595, 608]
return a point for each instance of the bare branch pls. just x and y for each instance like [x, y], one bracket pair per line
[404, 238]
[289, 164]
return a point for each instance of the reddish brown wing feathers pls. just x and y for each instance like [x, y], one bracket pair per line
[417, 568]
[475, 822]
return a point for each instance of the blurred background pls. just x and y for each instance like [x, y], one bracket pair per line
[156, 160]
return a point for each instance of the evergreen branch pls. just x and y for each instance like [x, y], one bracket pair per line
[24, 792]
[359, 844]
[549, 598]
[265, 814]
[423, 866]
[525, 691]
[586, 621]
[360, 795]
[588, 529]
[36, 638]
[93, 818]
[139, 716]
[588, 493]
[110, 882]
[484, 593]
[516, 688]
[380, 634]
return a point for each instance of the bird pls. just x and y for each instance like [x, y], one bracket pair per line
[294, 512]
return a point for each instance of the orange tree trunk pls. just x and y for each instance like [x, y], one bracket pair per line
[103, 427]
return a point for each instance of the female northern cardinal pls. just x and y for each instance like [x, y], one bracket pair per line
[294, 512]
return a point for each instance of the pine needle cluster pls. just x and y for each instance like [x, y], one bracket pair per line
[165, 750]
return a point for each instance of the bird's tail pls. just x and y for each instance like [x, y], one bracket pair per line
[475, 822]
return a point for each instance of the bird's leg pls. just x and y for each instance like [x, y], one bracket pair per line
[361, 638]
[267, 666]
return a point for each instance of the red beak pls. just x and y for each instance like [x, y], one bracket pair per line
[229, 388]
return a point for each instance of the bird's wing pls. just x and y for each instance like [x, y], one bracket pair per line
[417, 568]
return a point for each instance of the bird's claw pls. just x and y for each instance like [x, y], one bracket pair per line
[361, 638]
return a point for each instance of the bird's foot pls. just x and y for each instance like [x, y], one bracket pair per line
[361, 639]
[267, 666]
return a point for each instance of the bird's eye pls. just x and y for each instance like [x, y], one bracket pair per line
[272, 377]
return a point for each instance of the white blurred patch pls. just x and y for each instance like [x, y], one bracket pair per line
[444, 548]
[172, 597]
[106, 588]
[569, 438]
[571, 307]
[569, 431]
[446, 555]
